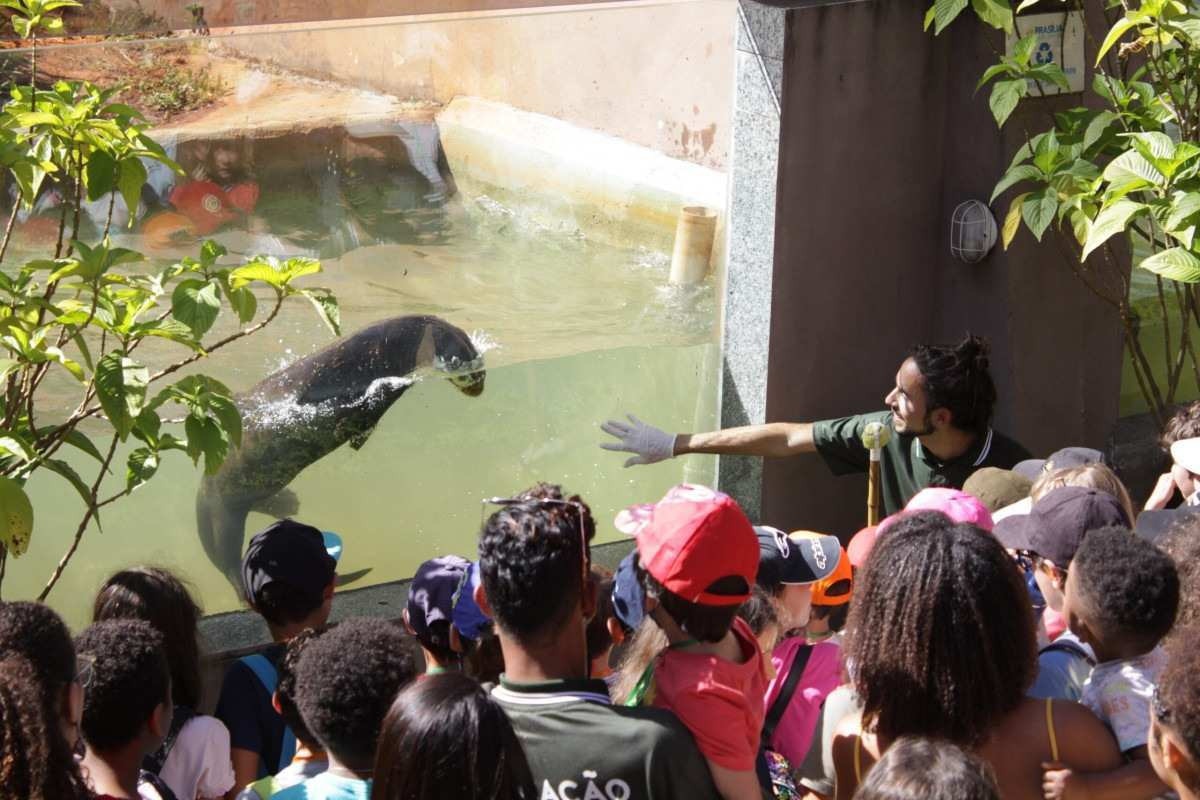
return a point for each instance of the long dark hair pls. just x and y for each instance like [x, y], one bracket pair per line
[156, 596]
[445, 739]
[37, 665]
[941, 638]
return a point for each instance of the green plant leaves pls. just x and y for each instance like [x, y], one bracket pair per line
[1109, 222]
[942, 13]
[1021, 172]
[121, 389]
[1012, 220]
[1038, 211]
[997, 13]
[196, 303]
[1114, 35]
[1004, 98]
[1176, 264]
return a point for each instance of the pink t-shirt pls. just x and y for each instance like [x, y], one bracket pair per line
[717, 700]
[822, 674]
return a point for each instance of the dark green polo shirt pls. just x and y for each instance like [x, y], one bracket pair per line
[579, 746]
[905, 467]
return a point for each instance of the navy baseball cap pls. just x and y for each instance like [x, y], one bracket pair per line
[431, 597]
[1059, 521]
[785, 559]
[467, 616]
[293, 553]
[627, 593]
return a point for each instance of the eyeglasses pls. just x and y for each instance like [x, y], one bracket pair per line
[85, 669]
[585, 559]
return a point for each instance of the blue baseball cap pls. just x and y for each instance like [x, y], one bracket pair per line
[627, 594]
[466, 615]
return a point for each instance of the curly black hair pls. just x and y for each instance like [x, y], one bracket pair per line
[130, 679]
[1128, 588]
[531, 544]
[928, 769]
[280, 603]
[159, 597]
[37, 664]
[599, 640]
[345, 681]
[285, 688]
[958, 379]
[1178, 705]
[941, 632]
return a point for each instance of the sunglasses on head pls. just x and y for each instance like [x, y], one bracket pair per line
[532, 503]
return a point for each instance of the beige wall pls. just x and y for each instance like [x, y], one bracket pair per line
[220, 13]
[656, 75]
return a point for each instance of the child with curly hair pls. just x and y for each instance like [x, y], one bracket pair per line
[1121, 598]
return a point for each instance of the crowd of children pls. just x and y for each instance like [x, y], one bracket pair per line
[1024, 637]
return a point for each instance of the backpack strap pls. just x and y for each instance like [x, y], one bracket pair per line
[786, 692]
[157, 784]
[268, 676]
[1068, 646]
[154, 762]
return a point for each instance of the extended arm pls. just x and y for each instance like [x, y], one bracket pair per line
[650, 444]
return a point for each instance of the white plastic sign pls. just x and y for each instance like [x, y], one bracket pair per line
[1059, 40]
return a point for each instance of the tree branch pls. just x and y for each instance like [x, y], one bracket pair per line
[87, 518]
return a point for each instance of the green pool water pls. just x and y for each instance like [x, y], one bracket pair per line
[582, 331]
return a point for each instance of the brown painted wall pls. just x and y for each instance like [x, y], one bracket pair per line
[882, 136]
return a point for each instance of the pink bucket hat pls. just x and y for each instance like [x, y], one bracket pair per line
[955, 504]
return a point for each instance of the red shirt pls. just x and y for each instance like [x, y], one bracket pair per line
[719, 701]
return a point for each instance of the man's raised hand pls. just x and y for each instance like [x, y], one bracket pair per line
[649, 444]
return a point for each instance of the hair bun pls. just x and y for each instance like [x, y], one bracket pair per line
[975, 350]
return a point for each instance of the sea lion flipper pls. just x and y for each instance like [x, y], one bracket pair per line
[283, 503]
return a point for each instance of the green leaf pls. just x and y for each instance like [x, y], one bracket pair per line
[196, 304]
[1131, 169]
[1004, 98]
[1024, 4]
[60, 467]
[1038, 211]
[997, 13]
[204, 437]
[1120, 29]
[1097, 127]
[210, 251]
[327, 308]
[1023, 50]
[140, 467]
[131, 176]
[1023, 172]
[80, 441]
[1184, 207]
[121, 388]
[1175, 264]
[8, 366]
[1012, 220]
[1109, 222]
[99, 175]
[991, 72]
[945, 12]
[227, 414]
[16, 445]
[244, 303]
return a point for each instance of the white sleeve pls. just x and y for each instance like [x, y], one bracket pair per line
[199, 765]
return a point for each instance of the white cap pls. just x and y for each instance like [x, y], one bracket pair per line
[1186, 453]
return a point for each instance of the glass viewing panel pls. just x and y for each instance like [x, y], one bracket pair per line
[514, 176]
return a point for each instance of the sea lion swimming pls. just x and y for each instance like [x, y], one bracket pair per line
[300, 414]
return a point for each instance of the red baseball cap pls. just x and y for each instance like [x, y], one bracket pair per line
[692, 538]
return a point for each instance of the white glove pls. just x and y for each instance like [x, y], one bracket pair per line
[649, 443]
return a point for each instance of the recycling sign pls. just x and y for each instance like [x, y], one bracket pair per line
[1059, 40]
